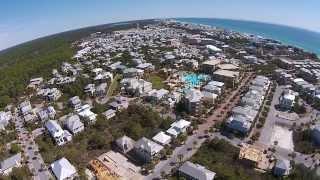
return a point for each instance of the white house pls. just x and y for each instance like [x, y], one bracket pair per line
[125, 144]
[7, 165]
[287, 99]
[162, 138]
[57, 132]
[195, 172]
[5, 117]
[86, 114]
[63, 169]
[110, 113]
[74, 125]
[178, 127]
[147, 149]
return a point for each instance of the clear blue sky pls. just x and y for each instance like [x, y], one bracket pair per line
[23, 20]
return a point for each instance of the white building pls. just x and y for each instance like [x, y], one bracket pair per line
[63, 169]
[74, 125]
[178, 127]
[193, 100]
[7, 165]
[147, 149]
[86, 114]
[57, 133]
[195, 171]
[162, 138]
[287, 99]
[110, 113]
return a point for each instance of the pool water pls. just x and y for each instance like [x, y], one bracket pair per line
[192, 80]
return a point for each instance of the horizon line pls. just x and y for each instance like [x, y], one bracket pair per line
[155, 18]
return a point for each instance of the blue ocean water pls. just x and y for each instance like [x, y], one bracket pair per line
[305, 39]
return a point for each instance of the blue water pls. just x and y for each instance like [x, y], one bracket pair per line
[305, 39]
[193, 80]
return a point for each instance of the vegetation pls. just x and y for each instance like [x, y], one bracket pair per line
[114, 87]
[303, 142]
[38, 58]
[221, 157]
[22, 173]
[7, 135]
[33, 59]
[135, 122]
[157, 81]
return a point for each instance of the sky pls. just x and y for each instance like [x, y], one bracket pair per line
[24, 20]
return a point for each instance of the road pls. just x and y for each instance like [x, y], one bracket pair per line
[219, 114]
[31, 151]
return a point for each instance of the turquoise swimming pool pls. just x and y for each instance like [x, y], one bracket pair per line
[192, 80]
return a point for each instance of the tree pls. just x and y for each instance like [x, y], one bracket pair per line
[15, 148]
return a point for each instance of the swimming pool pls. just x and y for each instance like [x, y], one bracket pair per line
[192, 80]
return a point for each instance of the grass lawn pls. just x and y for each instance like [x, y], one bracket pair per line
[157, 81]
[114, 86]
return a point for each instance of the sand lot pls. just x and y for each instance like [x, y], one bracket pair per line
[283, 136]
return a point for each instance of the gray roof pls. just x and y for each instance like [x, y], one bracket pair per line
[196, 171]
[10, 162]
[73, 122]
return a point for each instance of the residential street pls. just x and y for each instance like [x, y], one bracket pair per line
[219, 114]
[31, 151]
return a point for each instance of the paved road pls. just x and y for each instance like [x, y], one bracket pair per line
[219, 114]
[265, 137]
[30, 148]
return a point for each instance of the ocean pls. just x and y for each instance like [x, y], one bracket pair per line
[305, 39]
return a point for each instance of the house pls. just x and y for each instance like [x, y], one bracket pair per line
[101, 89]
[239, 123]
[147, 149]
[125, 144]
[132, 73]
[145, 66]
[157, 95]
[119, 103]
[63, 169]
[162, 138]
[75, 102]
[287, 99]
[46, 113]
[90, 89]
[52, 94]
[86, 114]
[193, 171]
[282, 167]
[193, 101]
[7, 165]
[136, 87]
[35, 82]
[73, 124]
[110, 113]
[5, 117]
[56, 132]
[25, 108]
[178, 127]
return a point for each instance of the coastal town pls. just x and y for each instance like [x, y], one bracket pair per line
[168, 100]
